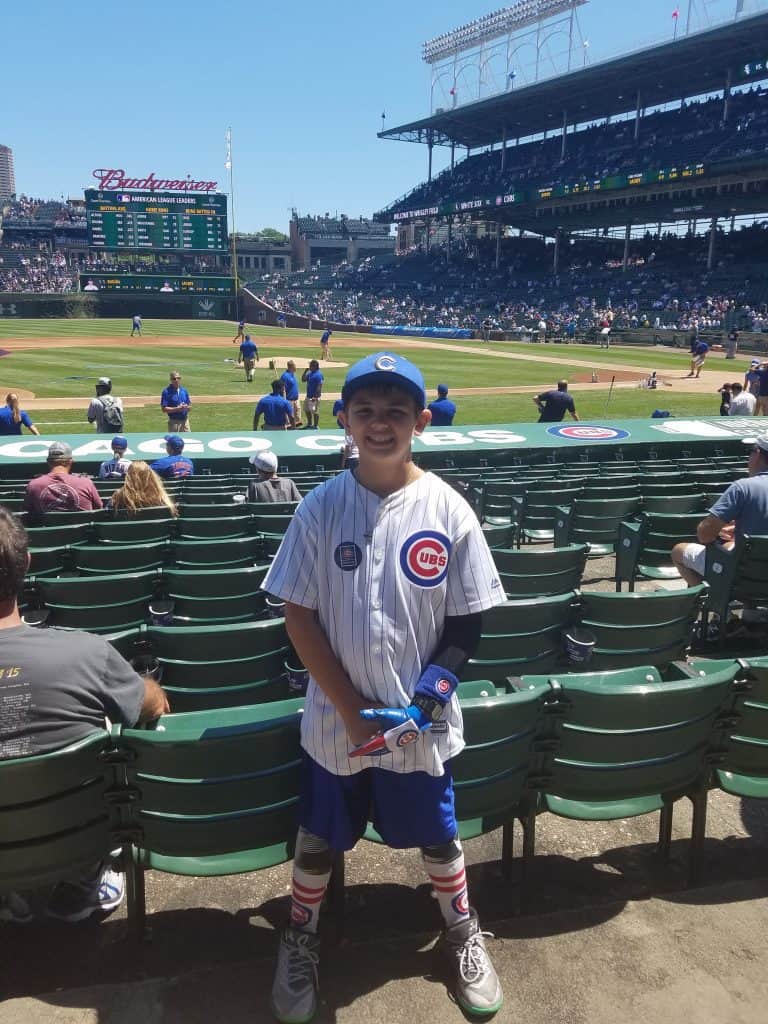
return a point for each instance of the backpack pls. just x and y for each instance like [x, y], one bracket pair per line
[113, 416]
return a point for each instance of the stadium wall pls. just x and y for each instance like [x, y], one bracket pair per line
[77, 305]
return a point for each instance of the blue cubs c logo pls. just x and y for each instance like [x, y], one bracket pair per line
[424, 558]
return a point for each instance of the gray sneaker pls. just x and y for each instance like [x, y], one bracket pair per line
[478, 989]
[294, 990]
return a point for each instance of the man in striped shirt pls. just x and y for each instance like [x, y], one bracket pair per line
[383, 544]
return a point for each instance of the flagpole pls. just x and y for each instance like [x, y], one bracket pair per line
[228, 165]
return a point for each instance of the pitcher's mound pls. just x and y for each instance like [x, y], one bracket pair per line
[302, 363]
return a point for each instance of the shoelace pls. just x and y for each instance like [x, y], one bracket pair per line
[473, 959]
[302, 962]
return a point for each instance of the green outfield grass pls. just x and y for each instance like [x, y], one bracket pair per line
[143, 371]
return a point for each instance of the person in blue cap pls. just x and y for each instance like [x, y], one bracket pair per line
[116, 467]
[384, 544]
[443, 409]
[173, 464]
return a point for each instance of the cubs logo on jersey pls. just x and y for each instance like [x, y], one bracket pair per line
[424, 558]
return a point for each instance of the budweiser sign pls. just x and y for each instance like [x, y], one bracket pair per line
[115, 178]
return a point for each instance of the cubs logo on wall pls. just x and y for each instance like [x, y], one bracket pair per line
[588, 432]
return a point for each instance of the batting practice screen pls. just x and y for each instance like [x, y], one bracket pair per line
[186, 284]
[159, 221]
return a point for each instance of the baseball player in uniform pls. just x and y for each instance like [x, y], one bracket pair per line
[240, 336]
[384, 543]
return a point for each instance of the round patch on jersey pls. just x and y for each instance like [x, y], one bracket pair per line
[588, 432]
[347, 556]
[424, 558]
[406, 738]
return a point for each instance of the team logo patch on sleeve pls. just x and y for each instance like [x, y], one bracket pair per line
[347, 556]
[424, 558]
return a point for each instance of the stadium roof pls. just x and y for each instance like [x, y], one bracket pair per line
[689, 66]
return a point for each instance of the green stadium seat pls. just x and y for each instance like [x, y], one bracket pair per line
[536, 519]
[644, 548]
[740, 574]
[133, 531]
[95, 559]
[630, 744]
[539, 572]
[519, 637]
[743, 771]
[218, 528]
[216, 595]
[47, 561]
[231, 552]
[97, 604]
[640, 628]
[58, 536]
[218, 794]
[54, 820]
[596, 523]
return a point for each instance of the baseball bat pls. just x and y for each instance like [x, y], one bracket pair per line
[610, 392]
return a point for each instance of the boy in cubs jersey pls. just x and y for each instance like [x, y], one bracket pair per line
[384, 571]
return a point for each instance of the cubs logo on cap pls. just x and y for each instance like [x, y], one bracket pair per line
[424, 558]
[389, 368]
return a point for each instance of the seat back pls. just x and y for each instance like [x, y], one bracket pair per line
[629, 734]
[96, 559]
[747, 754]
[640, 628]
[54, 820]
[214, 783]
[538, 572]
[492, 776]
[133, 531]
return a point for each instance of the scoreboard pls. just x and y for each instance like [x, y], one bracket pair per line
[179, 284]
[156, 221]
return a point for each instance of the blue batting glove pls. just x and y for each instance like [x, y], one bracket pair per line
[402, 726]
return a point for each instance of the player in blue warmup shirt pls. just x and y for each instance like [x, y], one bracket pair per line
[275, 408]
[174, 464]
[291, 386]
[443, 409]
[314, 381]
[699, 351]
[338, 407]
[249, 354]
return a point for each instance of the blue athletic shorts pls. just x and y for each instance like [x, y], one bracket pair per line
[410, 809]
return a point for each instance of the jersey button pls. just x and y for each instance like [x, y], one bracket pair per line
[378, 555]
[376, 604]
[376, 649]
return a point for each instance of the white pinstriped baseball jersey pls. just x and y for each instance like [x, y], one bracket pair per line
[382, 574]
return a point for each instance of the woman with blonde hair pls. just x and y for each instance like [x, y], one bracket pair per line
[142, 489]
[12, 418]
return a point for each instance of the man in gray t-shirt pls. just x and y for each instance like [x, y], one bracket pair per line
[268, 486]
[56, 687]
[741, 510]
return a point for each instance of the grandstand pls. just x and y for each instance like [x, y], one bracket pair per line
[613, 153]
[333, 239]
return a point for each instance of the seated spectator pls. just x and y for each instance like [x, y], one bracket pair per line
[59, 490]
[725, 399]
[268, 486]
[742, 402]
[443, 409]
[116, 467]
[67, 684]
[12, 418]
[173, 464]
[143, 488]
[741, 509]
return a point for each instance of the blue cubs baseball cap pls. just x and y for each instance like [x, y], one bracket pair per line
[175, 441]
[118, 441]
[385, 368]
[442, 389]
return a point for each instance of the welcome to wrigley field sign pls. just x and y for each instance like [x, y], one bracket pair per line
[669, 437]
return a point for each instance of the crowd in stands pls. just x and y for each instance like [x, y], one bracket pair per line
[691, 134]
[339, 227]
[28, 212]
[667, 285]
[36, 272]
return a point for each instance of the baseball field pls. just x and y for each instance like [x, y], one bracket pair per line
[53, 365]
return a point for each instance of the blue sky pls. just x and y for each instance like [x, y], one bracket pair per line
[154, 86]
